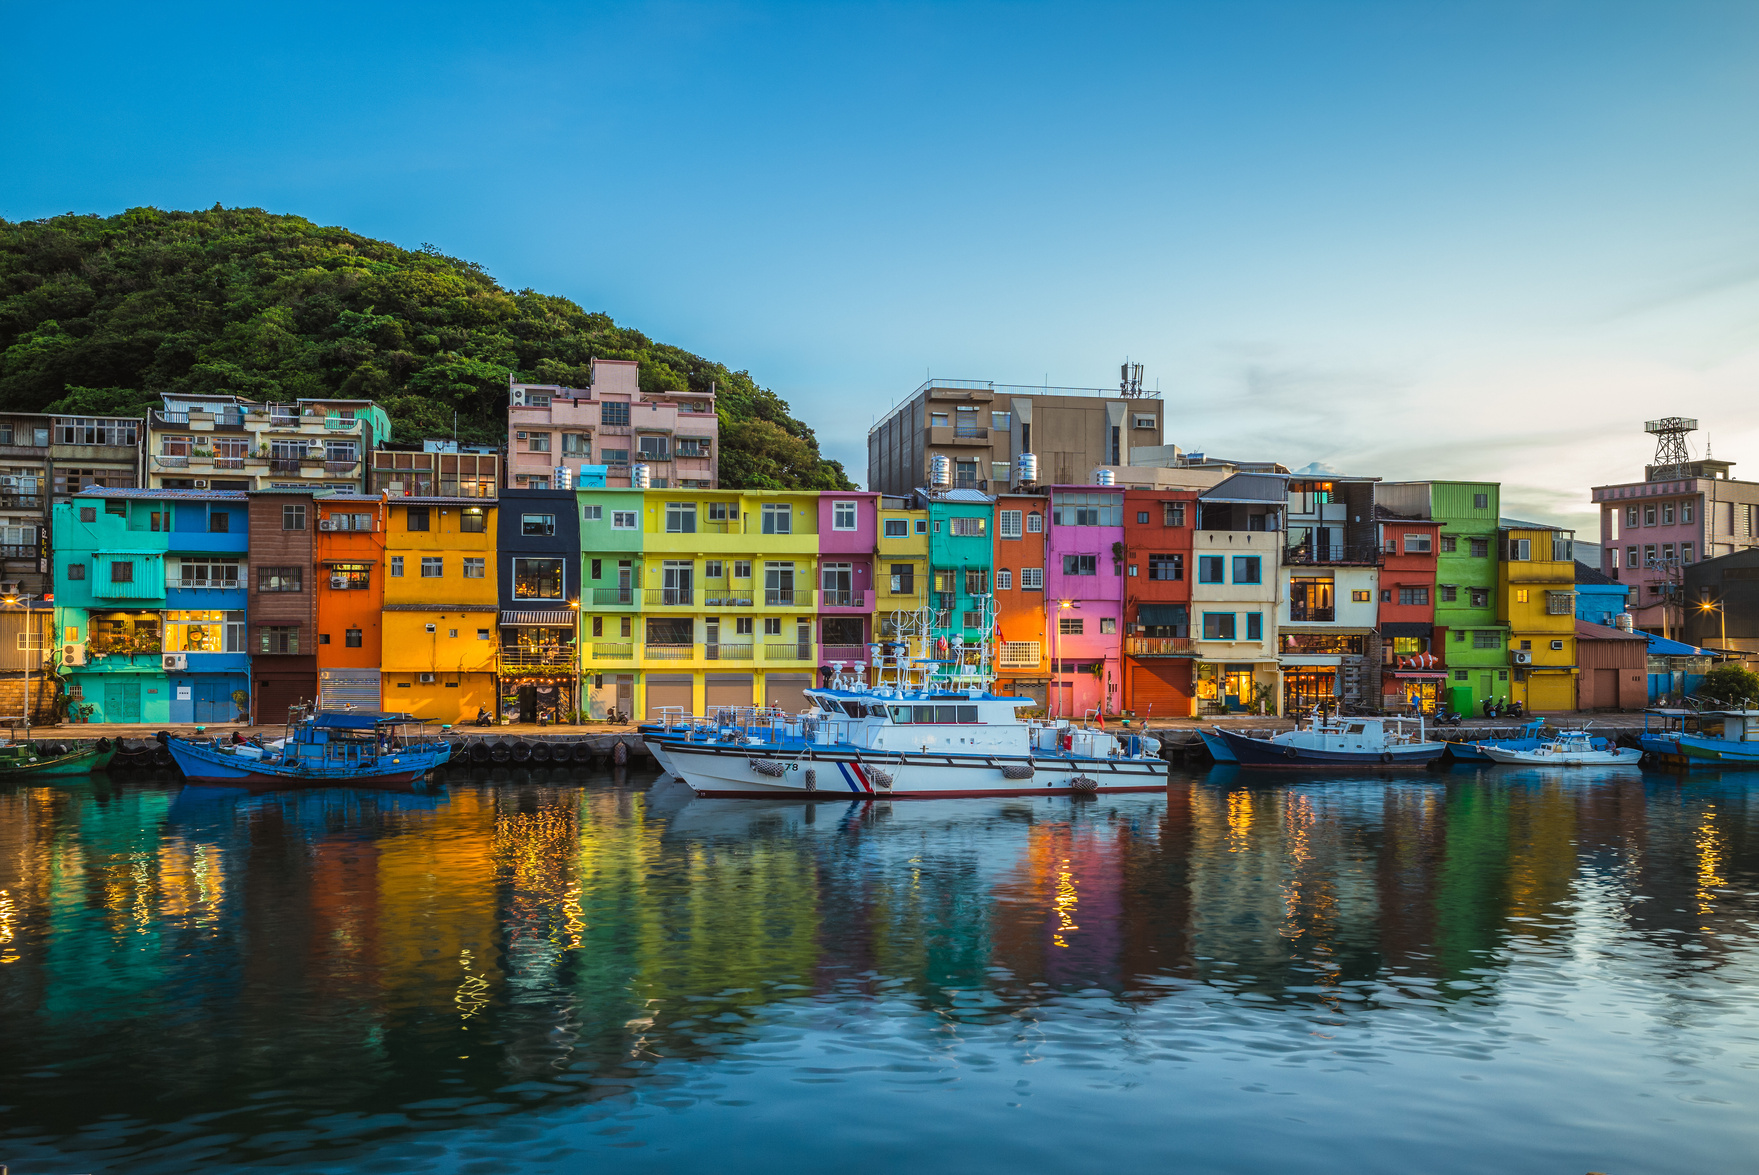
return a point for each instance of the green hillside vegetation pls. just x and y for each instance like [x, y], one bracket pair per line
[103, 315]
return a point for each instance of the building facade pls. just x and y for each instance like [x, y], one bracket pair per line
[1158, 650]
[443, 469]
[1329, 586]
[443, 610]
[1084, 585]
[1237, 546]
[1722, 612]
[229, 443]
[349, 581]
[1023, 664]
[1413, 665]
[552, 431]
[46, 459]
[282, 611]
[538, 577]
[1537, 600]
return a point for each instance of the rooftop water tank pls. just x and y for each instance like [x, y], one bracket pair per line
[1625, 622]
[1103, 477]
[1026, 468]
[940, 472]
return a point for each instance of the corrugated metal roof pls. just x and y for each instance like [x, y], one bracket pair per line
[976, 497]
[1249, 488]
[96, 491]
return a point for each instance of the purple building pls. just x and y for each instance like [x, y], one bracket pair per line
[848, 533]
[1084, 598]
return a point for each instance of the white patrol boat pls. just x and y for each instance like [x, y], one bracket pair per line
[928, 729]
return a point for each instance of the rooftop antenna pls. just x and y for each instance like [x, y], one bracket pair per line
[1672, 454]
[1130, 380]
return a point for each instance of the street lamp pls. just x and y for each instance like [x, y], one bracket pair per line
[579, 707]
[1722, 617]
[13, 601]
[1056, 665]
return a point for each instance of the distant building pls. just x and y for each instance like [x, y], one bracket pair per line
[1614, 668]
[47, 460]
[981, 428]
[443, 469]
[553, 430]
[1600, 599]
[1329, 576]
[1158, 650]
[1537, 577]
[1022, 649]
[1237, 544]
[230, 443]
[1722, 604]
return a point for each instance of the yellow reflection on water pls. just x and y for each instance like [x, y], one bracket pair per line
[1709, 859]
[8, 931]
[1066, 901]
[1239, 820]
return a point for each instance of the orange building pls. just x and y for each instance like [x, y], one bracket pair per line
[1023, 655]
[349, 552]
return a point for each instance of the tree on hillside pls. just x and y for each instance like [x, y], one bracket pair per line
[103, 315]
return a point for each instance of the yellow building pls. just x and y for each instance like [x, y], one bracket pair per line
[440, 607]
[1536, 598]
[901, 577]
[721, 600]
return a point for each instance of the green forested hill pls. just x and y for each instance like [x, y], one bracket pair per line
[105, 314]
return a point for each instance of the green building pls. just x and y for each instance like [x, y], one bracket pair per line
[1477, 642]
[961, 561]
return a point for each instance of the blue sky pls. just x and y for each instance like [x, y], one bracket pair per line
[1402, 239]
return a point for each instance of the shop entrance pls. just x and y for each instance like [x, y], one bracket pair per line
[1307, 686]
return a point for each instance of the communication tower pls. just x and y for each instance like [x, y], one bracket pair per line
[1672, 454]
[1130, 380]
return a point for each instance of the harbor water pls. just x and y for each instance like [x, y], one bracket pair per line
[1453, 971]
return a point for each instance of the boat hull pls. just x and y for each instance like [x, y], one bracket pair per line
[1253, 752]
[1542, 758]
[203, 764]
[1218, 747]
[82, 762]
[727, 772]
[1719, 751]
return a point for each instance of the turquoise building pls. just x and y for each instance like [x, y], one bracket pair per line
[961, 561]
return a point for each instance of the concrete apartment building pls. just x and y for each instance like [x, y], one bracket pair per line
[552, 431]
[443, 469]
[46, 459]
[982, 427]
[228, 443]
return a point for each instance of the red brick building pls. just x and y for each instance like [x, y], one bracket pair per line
[1412, 653]
[1158, 652]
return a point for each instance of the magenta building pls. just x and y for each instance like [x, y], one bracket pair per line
[848, 533]
[1084, 598]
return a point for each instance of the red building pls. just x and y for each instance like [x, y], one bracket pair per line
[1158, 652]
[1022, 650]
[1412, 651]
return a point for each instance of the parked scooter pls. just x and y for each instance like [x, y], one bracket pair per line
[484, 718]
[1516, 709]
[1447, 718]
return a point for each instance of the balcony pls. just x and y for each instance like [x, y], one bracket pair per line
[167, 461]
[337, 424]
[21, 502]
[348, 467]
[228, 462]
[537, 658]
[605, 597]
[848, 654]
[726, 598]
[835, 599]
[668, 652]
[284, 464]
[613, 652]
[789, 651]
[1316, 554]
[1160, 646]
[672, 597]
[787, 597]
[1308, 614]
[717, 652]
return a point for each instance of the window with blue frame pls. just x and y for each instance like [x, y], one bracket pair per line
[1218, 626]
[1210, 568]
[1248, 569]
[1254, 626]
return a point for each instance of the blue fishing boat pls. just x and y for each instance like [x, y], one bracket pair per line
[1724, 738]
[1340, 742]
[1662, 728]
[1218, 747]
[1531, 738]
[339, 749]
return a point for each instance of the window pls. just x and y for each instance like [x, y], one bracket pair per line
[614, 412]
[654, 448]
[1008, 524]
[772, 626]
[741, 569]
[396, 566]
[1649, 514]
[482, 634]
[971, 527]
[624, 627]
[121, 573]
[1088, 509]
[904, 579]
[1630, 516]
[1166, 567]
[971, 619]
[1685, 511]
[592, 514]
[1248, 569]
[939, 419]
[1480, 501]
[1141, 518]
[432, 566]
[897, 528]
[1480, 548]
[1562, 549]
[1630, 556]
[1386, 595]
[537, 579]
[1520, 550]
[1667, 514]
[208, 573]
[117, 508]
[1416, 544]
[415, 518]
[538, 442]
[1413, 596]
[537, 524]
[614, 456]
[778, 518]
[723, 511]
[976, 581]
[1667, 552]
[1254, 626]
[1480, 597]
[88, 513]
[1107, 625]
[293, 518]
[351, 638]
[1142, 422]
[1001, 421]
[1032, 579]
[1560, 603]
[843, 516]
[1482, 639]
[1071, 625]
[1004, 579]
[712, 569]
[1218, 626]
[1520, 595]
[1648, 554]
[1211, 568]
[680, 517]
[350, 576]
[1448, 543]
[474, 520]
[742, 626]
[1080, 565]
[278, 638]
[1362, 597]
[624, 520]
[1034, 523]
[475, 568]
[76, 571]
[1447, 594]
[1685, 552]
[1173, 514]
[280, 579]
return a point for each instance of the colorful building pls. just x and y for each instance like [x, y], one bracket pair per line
[553, 430]
[1329, 582]
[961, 565]
[1158, 650]
[282, 612]
[538, 577]
[1236, 545]
[848, 535]
[901, 559]
[1084, 585]
[1411, 663]
[1536, 575]
[442, 572]
[611, 600]
[1023, 663]
[349, 580]
[222, 442]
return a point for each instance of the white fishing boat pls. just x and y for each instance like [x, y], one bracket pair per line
[1571, 748]
[927, 728]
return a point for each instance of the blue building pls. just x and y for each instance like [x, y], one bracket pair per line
[1600, 599]
[538, 546]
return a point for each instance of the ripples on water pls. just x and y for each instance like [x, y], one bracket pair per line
[1465, 972]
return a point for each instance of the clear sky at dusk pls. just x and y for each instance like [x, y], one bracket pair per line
[1409, 240]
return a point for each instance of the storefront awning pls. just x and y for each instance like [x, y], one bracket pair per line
[538, 619]
[1321, 630]
[1406, 628]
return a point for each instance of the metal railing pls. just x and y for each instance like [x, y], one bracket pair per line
[170, 462]
[1319, 554]
[668, 652]
[616, 595]
[1303, 612]
[722, 598]
[341, 466]
[834, 599]
[536, 658]
[613, 652]
[1159, 646]
[228, 462]
[672, 597]
[728, 652]
[171, 417]
[787, 597]
[284, 464]
[340, 425]
[843, 653]
[979, 434]
[788, 651]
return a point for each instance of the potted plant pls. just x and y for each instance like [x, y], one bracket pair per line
[241, 699]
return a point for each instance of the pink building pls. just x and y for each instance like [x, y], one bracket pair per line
[848, 533]
[1651, 530]
[1084, 598]
[614, 424]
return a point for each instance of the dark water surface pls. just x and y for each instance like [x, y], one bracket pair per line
[1499, 970]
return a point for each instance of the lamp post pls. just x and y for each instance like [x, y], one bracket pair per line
[13, 601]
[1056, 665]
[578, 652]
[1722, 618]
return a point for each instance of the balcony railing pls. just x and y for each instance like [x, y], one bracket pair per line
[969, 433]
[668, 652]
[21, 501]
[1309, 554]
[788, 651]
[170, 462]
[229, 463]
[284, 464]
[672, 597]
[337, 424]
[848, 654]
[341, 466]
[787, 597]
[834, 599]
[726, 598]
[616, 595]
[171, 417]
[1160, 646]
[536, 658]
[613, 652]
[1305, 613]
[718, 652]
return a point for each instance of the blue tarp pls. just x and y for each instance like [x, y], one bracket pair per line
[357, 720]
[1662, 647]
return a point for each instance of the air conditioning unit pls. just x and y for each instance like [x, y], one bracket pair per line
[426, 678]
[326, 524]
[73, 654]
[520, 436]
[1557, 646]
[200, 484]
[430, 628]
[1523, 658]
[339, 581]
[519, 397]
[8, 587]
[174, 661]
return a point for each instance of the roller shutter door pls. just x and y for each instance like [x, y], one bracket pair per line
[726, 689]
[1550, 691]
[276, 694]
[666, 690]
[782, 691]
[348, 689]
[1162, 689]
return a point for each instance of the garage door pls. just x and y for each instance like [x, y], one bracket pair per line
[1606, 690]
[1161, 689]
[781, 691]
[276, 694]
[1550, 691]
[348, 689]
[726, 689]
[667, 690]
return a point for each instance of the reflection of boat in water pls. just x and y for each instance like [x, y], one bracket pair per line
[335, 749]
[41, 758]
[1337, 742]
[1727, 738]
[1571, 748]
